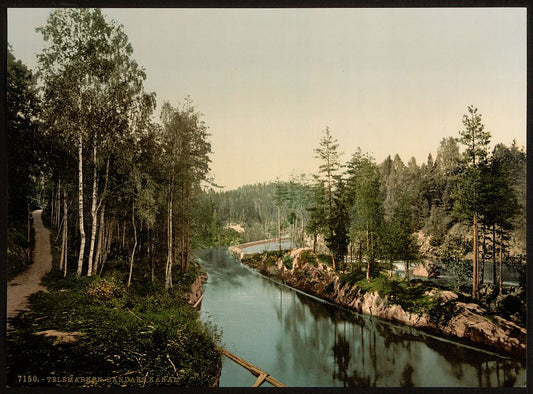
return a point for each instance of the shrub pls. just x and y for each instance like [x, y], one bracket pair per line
[324, 258]
[287, 261]
[309, 257]
[102, 290]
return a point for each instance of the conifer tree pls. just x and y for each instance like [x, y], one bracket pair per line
[476, 140]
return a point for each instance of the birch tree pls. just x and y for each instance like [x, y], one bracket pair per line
[91, 84]
[186, 152]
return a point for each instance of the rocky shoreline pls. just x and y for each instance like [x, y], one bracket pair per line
[197, 290]
[194, 298]
[468, 322]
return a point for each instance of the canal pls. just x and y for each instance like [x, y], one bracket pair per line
[302, 341]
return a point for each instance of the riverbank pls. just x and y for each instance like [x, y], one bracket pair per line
[92, 332]
[414, 304]
[97, 332]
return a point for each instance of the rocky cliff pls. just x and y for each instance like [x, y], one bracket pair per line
[443, 313]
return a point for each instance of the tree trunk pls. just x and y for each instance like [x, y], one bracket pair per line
[351, 256]
[58, 205]
[360, 255]
[94, 215]
[367, 254]
[303, 231]
[187, 245]
[407, 270]
[140, 246]
[475, 268]
[151, 254]
[123, 235]
[107, 243]
[279, 229]
[101, 229]
[62, 256]
[168, 267]
[494, 254]
[483, 253]
[187, 227]
[29, 236]
[501, 261]
[135, 243]
[80, 205]
[174, 252]
[64, 250]
[52, 203]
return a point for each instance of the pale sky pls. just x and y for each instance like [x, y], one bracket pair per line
[268, 81]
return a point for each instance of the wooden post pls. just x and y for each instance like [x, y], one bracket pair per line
[260, 380]
[253, 369]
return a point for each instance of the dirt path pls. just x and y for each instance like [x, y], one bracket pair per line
[29, 282]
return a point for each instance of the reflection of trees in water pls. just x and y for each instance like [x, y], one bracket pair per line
[367, 352]
[333, 340]
[360, 351]
[223, 269]
[342, 357]
[406, 380]
[304, 334]
[494, 365]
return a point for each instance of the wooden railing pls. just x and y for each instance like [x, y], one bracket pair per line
[262, 376]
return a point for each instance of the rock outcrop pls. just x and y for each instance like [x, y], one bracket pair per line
[197, 289]
[467, 322]
[420, 270]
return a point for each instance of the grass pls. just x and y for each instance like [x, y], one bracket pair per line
[156, 339]
[287, 261]
[309, 257]
[410, 295]
[324, 258]
[265, 259]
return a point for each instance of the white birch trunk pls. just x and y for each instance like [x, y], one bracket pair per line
[134, 245]
[62, 257]
[101, 229]
[94, 215]
[80, 204]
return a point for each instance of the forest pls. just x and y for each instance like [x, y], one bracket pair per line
[129, 198]
[391, 211]
[83, 145]
[121, 194]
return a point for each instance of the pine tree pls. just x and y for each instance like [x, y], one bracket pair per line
[329, 156]
[476, 140]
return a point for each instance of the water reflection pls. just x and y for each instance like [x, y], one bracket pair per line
[304, 342]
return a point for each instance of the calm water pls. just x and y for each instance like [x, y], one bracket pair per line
[304, 342]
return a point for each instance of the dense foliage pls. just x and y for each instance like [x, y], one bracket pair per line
[110, 173]
[83, 146]
[116, 337]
